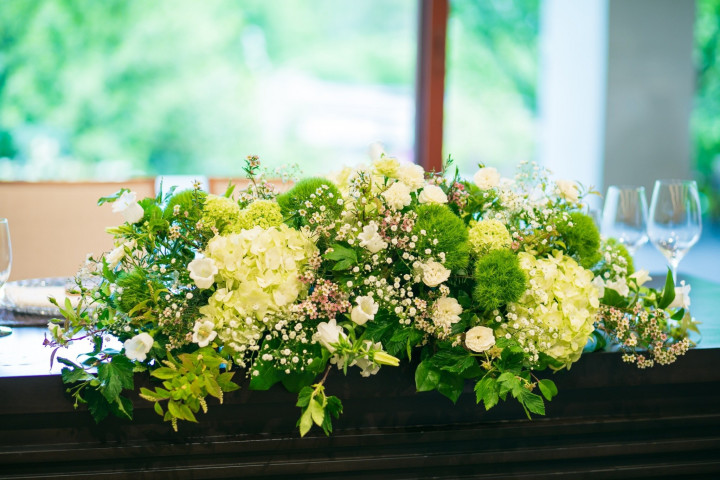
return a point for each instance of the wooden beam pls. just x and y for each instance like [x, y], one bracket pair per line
[430, 83]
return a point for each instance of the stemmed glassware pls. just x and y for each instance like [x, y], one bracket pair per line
[5, 261]
[625, 216]
[674, 223]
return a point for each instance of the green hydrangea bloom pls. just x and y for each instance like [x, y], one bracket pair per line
[222, 213]
[488, 235]
[260, 213]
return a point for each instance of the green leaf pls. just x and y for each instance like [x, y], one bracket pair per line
[293, 382]
[534, 403]
[427, 377]
[225, 382]
[67, 362]
[317, 411]
[611, 298]
[122, 408]
[304, 397]
[455, 360]
[75, 375]
[451, 385]
[305, 422]
[547, 388]
[340, 253]
[678, 315]
[268, 376]
[334, 406]
[114, 376]
[212, 387]
[97, 405]
[486, 390]
[164, 373]
[158, 409]
[668, 294]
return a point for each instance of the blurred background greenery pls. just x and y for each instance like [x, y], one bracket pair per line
[122, 88]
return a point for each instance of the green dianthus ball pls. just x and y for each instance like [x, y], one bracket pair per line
[499, 280]
[309, 195]
[439, 222]
[135, 289]
[186, 202]
[222, 213]
[488, 235]
[582, 239]
[262, 213]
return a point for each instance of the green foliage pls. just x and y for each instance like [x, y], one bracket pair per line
[187, 201]
[138, 291]
[499, 280]
[582, 239]
[429, 377]
[317, 408]
[187, 381]
[442, 224]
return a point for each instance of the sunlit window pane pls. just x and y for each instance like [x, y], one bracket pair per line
[491, 102]
[127, 87]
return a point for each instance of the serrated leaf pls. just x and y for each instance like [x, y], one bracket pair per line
[451, 385]
[547, 388]
[294, 382]
[304, 397]
[317, 412]
[226, 383]
[305, 422]
[427, 377]
[533, 402]
[75, 375]
[114, 376]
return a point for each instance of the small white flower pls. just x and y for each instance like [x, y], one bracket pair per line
[479, 339]
[432, 194]
[487, 178]
[641, 277]
[129, 207]
[118, 253]
[371, 239]
[329, 332]
[203, 271]
[682, 297]
[138, 346]
[398, 195]
[365, 310]
[568, 190]
[56, 330]
[204, 333]
[434, 273]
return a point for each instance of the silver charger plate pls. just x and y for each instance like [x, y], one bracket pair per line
[46, 311]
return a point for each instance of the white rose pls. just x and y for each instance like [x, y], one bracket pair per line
[129, 207]
[682, 297]
[398, 195]
[203, 271]
[365, 310]
[138, 346]
[371, 239]
[412, 175]
[568, 190]
[620, 286]
[479, 339]
[432, 194]
[434, 273]
[641, 277]
[446, 311]
[329, 332]
[487, 178]
[204, 333]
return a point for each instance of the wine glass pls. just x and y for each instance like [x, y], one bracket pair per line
[674, 224]
[625, 216]
[5, 261]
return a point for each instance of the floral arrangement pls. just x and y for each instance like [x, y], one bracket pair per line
[494, 281]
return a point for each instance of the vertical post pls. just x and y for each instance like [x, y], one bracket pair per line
[430, 83]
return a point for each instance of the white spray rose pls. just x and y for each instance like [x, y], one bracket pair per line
[434, 273]
[329, 332]
[118, 253]
[479, 339]
[138, 346]
[203, 271]
[641, 277]
[398, 195]
[365, 310]
[129, 207]
[371, 239]
[682, 297]
[432, 194]
[411, 175]
[204, 333]
[568, 190]
[387, 166]
[487, 178]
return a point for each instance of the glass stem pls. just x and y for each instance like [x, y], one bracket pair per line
[674, 268]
